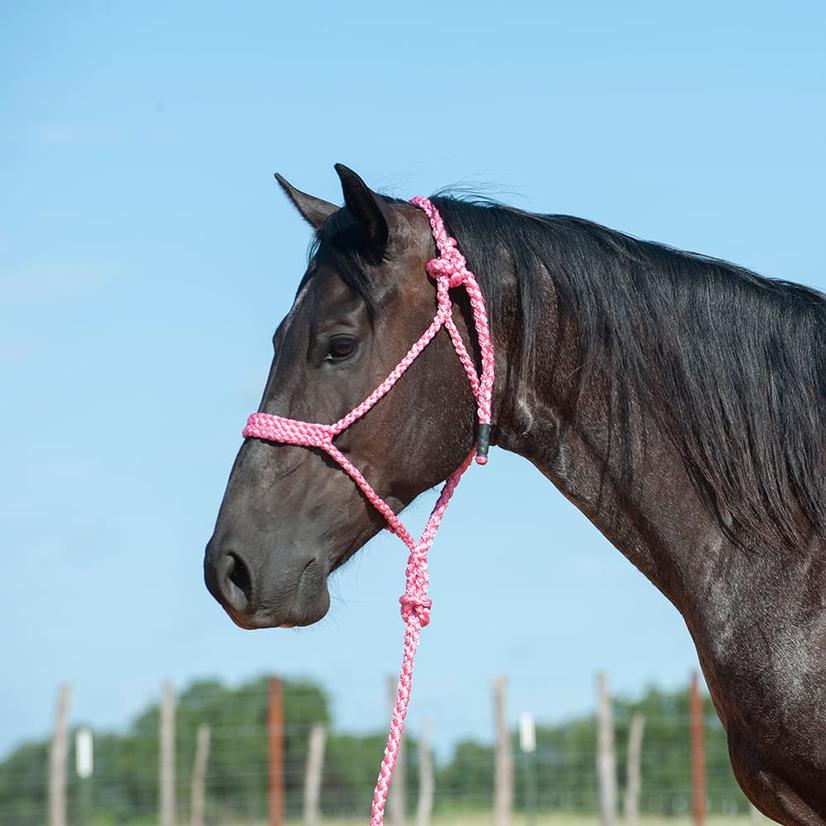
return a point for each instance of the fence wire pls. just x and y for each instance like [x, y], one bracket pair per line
[558, 777]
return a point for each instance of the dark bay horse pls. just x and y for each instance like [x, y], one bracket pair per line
[678, 401]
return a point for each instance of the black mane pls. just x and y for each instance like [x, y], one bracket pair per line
[733, 363]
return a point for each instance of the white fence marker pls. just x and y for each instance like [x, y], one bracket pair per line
[84, 753]
[527, 733]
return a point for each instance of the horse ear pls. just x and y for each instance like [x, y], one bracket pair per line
[314, 211]
[367, 207]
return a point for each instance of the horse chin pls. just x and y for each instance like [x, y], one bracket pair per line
[305, 609]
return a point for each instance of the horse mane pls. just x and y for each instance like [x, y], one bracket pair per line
[732, 363]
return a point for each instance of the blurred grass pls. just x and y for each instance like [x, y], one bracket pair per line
[545, 819]
[568, 819]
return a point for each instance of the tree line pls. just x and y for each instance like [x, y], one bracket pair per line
[124, 787]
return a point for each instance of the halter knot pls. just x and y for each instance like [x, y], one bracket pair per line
[450, 264]
[418, 606]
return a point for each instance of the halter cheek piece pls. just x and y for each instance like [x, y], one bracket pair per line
[449, 270]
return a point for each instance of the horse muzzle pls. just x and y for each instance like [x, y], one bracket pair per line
[256, 597]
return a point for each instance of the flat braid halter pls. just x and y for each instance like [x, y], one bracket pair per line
[449, 270]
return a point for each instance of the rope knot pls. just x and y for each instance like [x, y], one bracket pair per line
[415, 605]
[450, 264]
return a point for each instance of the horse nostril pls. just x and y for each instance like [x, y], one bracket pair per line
[238, 588]
[239, 575]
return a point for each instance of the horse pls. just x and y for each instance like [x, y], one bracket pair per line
[679, 401]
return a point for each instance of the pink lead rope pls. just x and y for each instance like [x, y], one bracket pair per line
[449, 270]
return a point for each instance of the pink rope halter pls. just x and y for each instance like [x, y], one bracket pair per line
[449, 271]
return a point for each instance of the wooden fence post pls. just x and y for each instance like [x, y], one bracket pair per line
[606, 758]
[275, 729]
[58, 751]
[424, 810]
[698, 754]
[199, 769]
[503, 770]
[167, 756]
[314, 773]
[633, 781]
[395, 797]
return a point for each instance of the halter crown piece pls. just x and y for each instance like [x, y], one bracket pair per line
[449, 270]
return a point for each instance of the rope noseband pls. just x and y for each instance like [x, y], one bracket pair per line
[449, 270]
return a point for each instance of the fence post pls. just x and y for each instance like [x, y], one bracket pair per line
[606, 758]
[58, 751]
[398, 783]
[633, 781]
[698, 756]
[199, 768]
[313, 775]
[275, 730]
[167, 756]
[503, 770]
[424, 810]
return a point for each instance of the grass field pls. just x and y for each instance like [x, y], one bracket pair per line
[565, 819]
[561, 819]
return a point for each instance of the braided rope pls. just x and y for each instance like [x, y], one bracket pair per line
[450, 271]
[451, 265]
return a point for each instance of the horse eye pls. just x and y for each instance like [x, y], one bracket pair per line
[339, 347]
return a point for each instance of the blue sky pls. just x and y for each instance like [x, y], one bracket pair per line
[146, 256]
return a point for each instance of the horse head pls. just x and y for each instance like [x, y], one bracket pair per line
[290, 516]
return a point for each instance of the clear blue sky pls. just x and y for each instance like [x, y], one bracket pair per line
[146, 256]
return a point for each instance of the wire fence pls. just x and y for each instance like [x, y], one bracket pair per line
[558, 777]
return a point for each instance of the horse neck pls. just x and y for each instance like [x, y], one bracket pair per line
[629, 481]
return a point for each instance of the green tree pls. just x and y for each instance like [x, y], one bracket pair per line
[467, 780]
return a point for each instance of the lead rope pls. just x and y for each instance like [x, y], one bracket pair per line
[449, 270]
